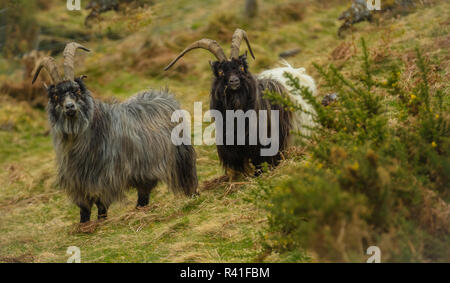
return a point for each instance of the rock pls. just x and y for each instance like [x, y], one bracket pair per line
[100, 6]
[289, 53]
[330, 98]
[359, 12]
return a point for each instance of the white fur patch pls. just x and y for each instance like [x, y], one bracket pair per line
[301, 120]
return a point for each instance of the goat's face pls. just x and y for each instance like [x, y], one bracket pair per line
[233, 86]
[232, 74]
[70, 105]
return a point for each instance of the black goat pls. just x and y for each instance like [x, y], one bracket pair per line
[235, 88]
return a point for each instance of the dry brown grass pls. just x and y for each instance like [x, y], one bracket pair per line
[344, 51]
[18, 259]
[37, 222]
[23, 90]
[292, 11]
[435, 215]
[215, 183]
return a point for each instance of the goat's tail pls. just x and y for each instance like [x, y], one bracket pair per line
[185, 171]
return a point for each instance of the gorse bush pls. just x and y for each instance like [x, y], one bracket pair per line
[376, 173]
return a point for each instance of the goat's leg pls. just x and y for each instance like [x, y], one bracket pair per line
[102, 210]
[85, 211]
[144, 192]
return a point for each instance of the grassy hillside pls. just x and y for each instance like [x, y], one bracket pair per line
[227, 222]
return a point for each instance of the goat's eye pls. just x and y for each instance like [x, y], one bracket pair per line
[220, 73]
[242, 68]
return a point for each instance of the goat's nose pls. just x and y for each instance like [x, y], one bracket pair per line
[69, 106]
[233, 80]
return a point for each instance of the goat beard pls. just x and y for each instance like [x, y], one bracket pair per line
[71, 126]
[234, 99]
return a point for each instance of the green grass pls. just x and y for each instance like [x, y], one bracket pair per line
[37, 221]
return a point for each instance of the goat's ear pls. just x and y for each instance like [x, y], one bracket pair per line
[51, 91]
[243, 58]
[214, 67]
[80, 82]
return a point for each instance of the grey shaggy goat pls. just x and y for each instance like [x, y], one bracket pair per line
[103, 149]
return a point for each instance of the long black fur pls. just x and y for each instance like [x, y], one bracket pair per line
[246, 158]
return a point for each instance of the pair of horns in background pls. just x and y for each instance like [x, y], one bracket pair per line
[211, 45]
[214, 47]
[50, 65]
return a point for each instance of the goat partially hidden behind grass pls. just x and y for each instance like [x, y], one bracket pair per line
[103, 149]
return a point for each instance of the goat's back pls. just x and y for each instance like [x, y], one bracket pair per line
[301, 121]
[127, 143]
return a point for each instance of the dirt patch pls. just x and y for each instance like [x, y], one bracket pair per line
[17, 259]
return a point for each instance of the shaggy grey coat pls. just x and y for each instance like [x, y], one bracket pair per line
[108, 148]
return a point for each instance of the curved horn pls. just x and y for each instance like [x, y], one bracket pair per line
[50, 65]
[205, 43]
[69, 54]
[238, 35]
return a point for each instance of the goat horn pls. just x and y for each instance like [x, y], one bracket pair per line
[208, 44]
[49, 64]
[238, 35]
[69, 54]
